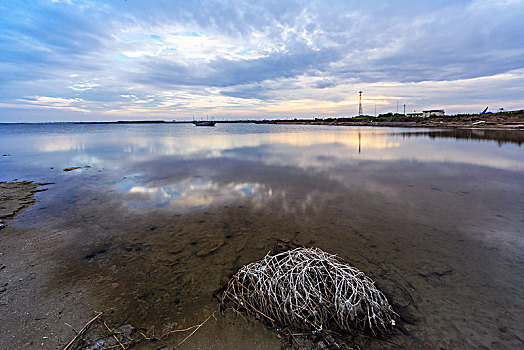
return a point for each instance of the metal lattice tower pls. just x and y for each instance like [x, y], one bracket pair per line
[360, 113]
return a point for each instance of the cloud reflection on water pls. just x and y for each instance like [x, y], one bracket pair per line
[190, 144]
[193, 193]
[248, 161]
[222, 162]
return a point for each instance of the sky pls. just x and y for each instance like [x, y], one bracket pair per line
[87, 60]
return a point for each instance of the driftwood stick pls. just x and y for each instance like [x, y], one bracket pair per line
[83, 330]
[116, 346]
[296, 341]
[166, 333]
[196, 329]
[145, 336]
[114, 336]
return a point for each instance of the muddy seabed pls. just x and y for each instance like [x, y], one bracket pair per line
[88, 249]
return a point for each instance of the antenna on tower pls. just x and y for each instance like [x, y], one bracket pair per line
[360, 104]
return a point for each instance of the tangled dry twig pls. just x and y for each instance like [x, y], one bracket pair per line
[125, 337]
[310, 290]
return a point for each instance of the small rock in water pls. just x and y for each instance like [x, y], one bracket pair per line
[126, 330]
[98, 345]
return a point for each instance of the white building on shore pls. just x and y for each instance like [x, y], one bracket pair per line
[431, 112]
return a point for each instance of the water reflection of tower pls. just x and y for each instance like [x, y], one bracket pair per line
[358, 143]
[360, 103]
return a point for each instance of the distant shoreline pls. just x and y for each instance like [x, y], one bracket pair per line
[513, 120]
[504, 120]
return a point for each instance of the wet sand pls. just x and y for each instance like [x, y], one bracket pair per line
[15, 196]
[428, 246]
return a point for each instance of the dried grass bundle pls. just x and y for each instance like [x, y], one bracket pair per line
[310, 290]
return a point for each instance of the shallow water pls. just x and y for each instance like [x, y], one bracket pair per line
[166, 213]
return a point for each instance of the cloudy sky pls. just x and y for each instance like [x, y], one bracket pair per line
[65, 60]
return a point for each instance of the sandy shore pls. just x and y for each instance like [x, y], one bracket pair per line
[15, 196]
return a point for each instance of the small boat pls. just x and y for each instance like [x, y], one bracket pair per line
[204, 123]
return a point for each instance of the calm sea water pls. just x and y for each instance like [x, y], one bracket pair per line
[114, 151]
[186, 167]
[435, 216]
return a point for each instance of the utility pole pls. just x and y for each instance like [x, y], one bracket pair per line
[404, 109]
[360, 113]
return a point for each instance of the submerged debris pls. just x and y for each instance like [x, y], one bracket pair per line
[71, 168]
[309, 290]
[123, 337]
